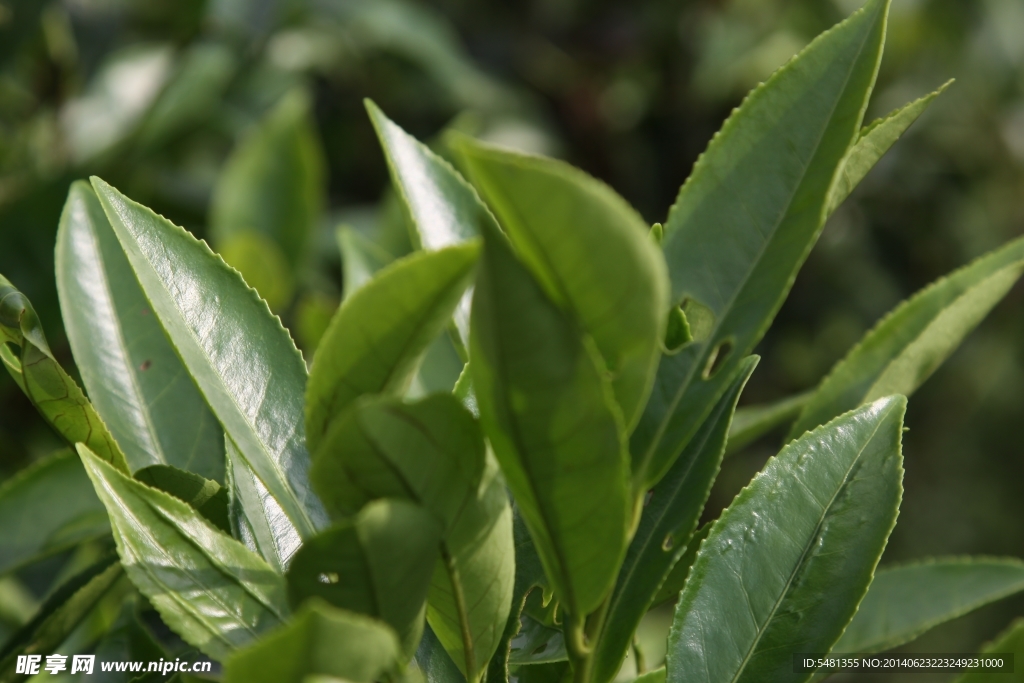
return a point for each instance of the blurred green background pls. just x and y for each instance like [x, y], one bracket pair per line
[187, 105]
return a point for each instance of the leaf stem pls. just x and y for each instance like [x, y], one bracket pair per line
[472, 675]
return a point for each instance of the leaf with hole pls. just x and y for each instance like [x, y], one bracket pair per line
[747, 217]
[669, 519]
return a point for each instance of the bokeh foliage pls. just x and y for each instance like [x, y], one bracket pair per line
[157, 97]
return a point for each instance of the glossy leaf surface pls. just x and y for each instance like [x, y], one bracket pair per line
[789, 560]
[53, 392]
[444, 209]
[273, 183]
[591, 254]
[435, 663]
[206, 496]
[905, 601]
[666, 525]
[128, 366]
[207, 586]
[242, 360]
[319, 641]
[379, 334]
[257, 518]
[373, 564]
[907, 346]
[432, 452]
[547, 409]
[749, 214]
[46, 508]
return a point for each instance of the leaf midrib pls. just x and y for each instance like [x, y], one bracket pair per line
[217, 371]
[143, 530]
[141, 403]
[807, 547]
[655, 443]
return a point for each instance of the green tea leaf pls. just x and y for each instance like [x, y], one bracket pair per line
[874, 141]
[46, 508]
[243, 361]
[372, 564]
[434, 661]
[444, 209]
[676, 579]
[208, 588]
[257, 518]
[360, 259]
[273, 183]
[913, 340]
[320, 641]
[668, 521]
[207, 497]
[432, 452]
[128, 365]
[747, 217]
[787, 563]
[56, 396]
[537, 644]
[905, 601]
[606, 269]
[529, 575]
[752, 422]
[379, 334]
[58, 617]
[1010, 640]
[547, 409]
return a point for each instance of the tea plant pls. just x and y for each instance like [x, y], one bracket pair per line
[341, 525]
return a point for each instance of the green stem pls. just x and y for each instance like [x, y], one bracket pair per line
[472, 675]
